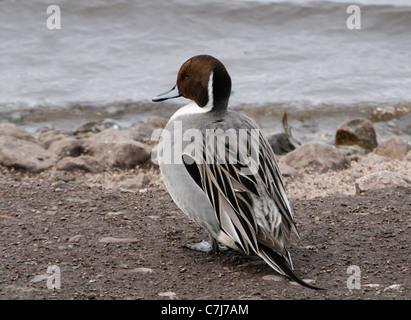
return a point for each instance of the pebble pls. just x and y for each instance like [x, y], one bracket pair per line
[273, 277]
[381, 179]
[115, 148]
[309, 247]
[40, 278]
[16, 153]
[394, 148]
[318, 156]
[137, 182]
[143, 270]
[358, 131]
[84, 163]
[117, 240]
[169, 294]
[393, 287]
[76, 238]
[115, 213]
[10, 129]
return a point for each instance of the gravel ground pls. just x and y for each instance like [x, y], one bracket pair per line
[108, 243]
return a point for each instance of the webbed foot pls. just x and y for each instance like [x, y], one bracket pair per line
[206, 246]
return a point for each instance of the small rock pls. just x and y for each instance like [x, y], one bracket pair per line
[117, 148]
[66, 147]
[25, 154]
[46, 136]
[118, 240]
[96, 126]
[76, 238]
[169, 294]
[273, 277]
[115, 213]
[50, 212]
[134, 183]
[288, 171]
[9, 129]
[381, 179]
[143, 270]
[65, 177]
[393, 287]
[85, 163]
[320, 157]
[394, 148]
[357, 131]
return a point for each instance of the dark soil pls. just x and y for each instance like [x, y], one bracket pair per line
[45, 222]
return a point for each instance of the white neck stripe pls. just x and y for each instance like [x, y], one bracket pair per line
[193, 108]
[210, 103]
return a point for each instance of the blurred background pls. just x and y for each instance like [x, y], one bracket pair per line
[110, 57]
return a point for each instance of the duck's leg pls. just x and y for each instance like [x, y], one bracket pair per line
[207, 246]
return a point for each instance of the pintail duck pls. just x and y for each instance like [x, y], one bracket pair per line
[239, 199]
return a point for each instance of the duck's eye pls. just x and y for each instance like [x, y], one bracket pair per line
[186, 75]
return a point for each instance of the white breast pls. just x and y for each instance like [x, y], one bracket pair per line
[191, 108]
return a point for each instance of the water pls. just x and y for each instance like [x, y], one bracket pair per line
[111, 56]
